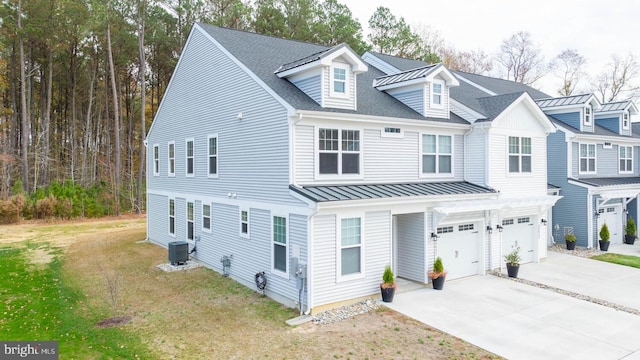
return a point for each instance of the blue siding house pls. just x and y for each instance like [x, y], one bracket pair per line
[319, 167]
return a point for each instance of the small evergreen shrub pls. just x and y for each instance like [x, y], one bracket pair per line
[604, 233]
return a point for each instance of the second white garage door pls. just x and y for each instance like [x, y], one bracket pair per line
[459, 247]
[519, 231]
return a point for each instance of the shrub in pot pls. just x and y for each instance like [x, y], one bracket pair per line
[630, 231]
[513, 262]
[570, 240]
[438, 274]
[604, 238]
[388, 285]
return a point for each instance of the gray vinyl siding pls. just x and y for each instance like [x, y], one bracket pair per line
[575, 155]
[411, 246]
[570, 118]
[556, 159]
[337, 102]
[475, 160]
[311, 86]
[607, 160]
[612, 124]
[252, 152]
[389, 159]
[437, 112]
[379, 64]
[304, 153]
[158, 220]
[413, 98]
[571, 210]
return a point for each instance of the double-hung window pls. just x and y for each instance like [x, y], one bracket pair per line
[437, 153]
[339, 80]
[626, 159]
[587, 115]
[171, 158]
[350, 246]
[156, 159]
[172, 217]
[587, 158]
[519, 154]
[190, 222]
[339, 151]
[280, 258]
[244, 223]
[206, 217]
[437, 88]
[213, 155]
[625, 121]
[189, 157]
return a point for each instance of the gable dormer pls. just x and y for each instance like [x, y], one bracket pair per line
[616, 116]
[425, 89]
[576, 111]
[328, 77]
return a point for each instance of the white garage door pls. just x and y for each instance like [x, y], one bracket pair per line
[612, 216]
[519, 231]
[459, 248]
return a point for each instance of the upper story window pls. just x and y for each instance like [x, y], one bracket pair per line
[189, 157]
[437, 89]
[519, 154]
[339, 80]
[171, 159]
[213, 156]
[587, 115]
[156, 159]
[587, 158]
[339, 151]
[626, 159]
[625, 121]
[437, 154]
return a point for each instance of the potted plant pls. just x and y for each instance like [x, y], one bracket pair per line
[438, 274]
[630, 231]
[604, 238]
[388, 285]
[513, 262]
[570, 240]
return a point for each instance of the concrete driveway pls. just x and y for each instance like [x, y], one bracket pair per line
[519, 321]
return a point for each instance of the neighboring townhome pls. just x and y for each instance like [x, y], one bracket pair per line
[593, 159]
[319, 167]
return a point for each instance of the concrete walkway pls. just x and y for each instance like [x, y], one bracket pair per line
[519, 321]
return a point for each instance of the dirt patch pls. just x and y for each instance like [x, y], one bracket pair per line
[114, 321]
[40, 257]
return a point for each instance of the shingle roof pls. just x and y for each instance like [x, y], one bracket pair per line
[501, 86]
[495, 105]
[323, 193]
[610, 181]
[564, 101]
[404, 76]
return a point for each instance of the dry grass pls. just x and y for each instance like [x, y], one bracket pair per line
[198, 314]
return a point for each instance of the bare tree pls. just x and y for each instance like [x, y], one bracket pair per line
[475, 61]
[116, 120]
[522, 58]
[618, 78]
[568, 67]
[24, 118]
[142, 8]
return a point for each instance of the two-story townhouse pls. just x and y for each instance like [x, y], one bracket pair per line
[593, 159]
[305, 161]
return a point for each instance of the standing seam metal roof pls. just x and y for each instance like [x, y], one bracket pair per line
[404, 76]
[563, 101]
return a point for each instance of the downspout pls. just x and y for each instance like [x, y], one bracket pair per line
[310, 259]
[146, 150]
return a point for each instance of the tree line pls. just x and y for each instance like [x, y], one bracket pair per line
[81, 80]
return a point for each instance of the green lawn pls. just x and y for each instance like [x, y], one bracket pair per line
[38, 306]
[627, 260]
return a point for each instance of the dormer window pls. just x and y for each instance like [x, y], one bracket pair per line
[339, 77]
[437, 87]
[625, 121]
[587, 115]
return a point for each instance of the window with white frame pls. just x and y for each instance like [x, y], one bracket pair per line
[587, 158]
[339, 151]
[172, 217]
[244, 223]
[189, 157]
[587, 115]
[206, 217]
[156, 159]
[213, 155]
[437, 89]
[171, 158]
[350, 246]
[339, 80]
[625, 121]
[280, 246]
[437, 154]
[519, 154]
[190, 221]
[626, 159]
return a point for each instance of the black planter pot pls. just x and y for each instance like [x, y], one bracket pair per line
[438, 283]
[512, 270]
[571, 245]
[629, 239]
[604, 245]
[387, 293]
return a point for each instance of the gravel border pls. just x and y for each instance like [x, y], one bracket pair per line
[345, 312]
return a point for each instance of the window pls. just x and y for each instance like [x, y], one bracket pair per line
[171, 163]
[189, 157]
[437, 153]
[626, 159]
[444, 229]
[190, 228]
[280, 258]
[436, 93]
[519, 154]
[625, 121]
[465, 227]
[587, 158]
[339, 151]
[392, 130]
[206, 217]
[524, 220]
[213, 155]
[244, 223]
[339, 77]
[350, 247]
[607, 145]
[172, 217]
[156, 159]
[587, 115]
[507, 222]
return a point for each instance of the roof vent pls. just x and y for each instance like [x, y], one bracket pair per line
[178, 252]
